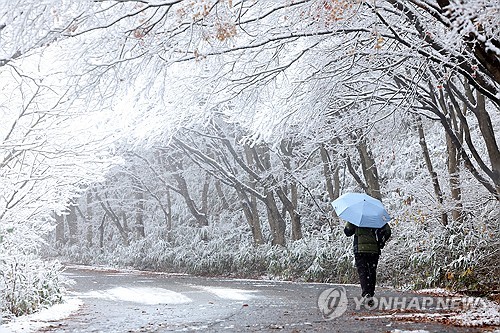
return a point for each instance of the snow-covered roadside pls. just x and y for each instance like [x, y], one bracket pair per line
[488, 314]
[485, 312]
[474, 312]
[44, 318]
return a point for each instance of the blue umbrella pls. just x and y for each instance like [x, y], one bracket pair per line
[361, 209]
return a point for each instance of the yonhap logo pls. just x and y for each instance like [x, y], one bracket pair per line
[332, 302]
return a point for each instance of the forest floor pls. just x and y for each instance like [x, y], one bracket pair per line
[106, 300]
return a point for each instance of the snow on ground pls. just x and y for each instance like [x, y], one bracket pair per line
[436, 292]
[39, 320]
[143, 295]
[486, 313]
[232, 294]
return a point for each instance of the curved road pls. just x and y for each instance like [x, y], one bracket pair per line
[133, 301]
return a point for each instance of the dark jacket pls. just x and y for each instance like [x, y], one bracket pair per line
[368, 240]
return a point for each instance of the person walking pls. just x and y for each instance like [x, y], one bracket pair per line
[367, 244]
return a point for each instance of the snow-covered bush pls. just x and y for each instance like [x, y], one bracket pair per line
[26, 282]
[214, 250]
[460, 255]
[421, 252]
[29, 283]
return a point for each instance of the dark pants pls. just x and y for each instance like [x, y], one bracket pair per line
[366, 264]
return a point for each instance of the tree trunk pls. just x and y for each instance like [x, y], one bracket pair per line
[354, 174]
[492, 188]
[331, 174]
[169, 212]
[296, 218]
[72, 221]
[116, 221]
[290, 205]
[89, 215]
[453, 172]
[252, 202]
[60, 239]
[488, 133]
[453, 160]
[276, 222]
[125, 222]
[200, 217]
[139, 208]
[259, 238]
[204, 194]
[430, 168]
[222, 196]
[101, 233]
[369, 168]
[252, 216]
[327, 172]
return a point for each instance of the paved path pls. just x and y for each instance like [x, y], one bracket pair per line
[131, 301]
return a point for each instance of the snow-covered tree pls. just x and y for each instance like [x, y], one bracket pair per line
[270, 64]
[49, 151]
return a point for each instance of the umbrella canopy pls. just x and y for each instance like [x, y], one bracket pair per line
[361, 209]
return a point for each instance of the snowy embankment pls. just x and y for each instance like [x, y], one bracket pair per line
[473, 312]
[43, 318]
[485, 313]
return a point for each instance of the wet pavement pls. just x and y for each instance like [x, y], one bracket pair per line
[133, 301]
